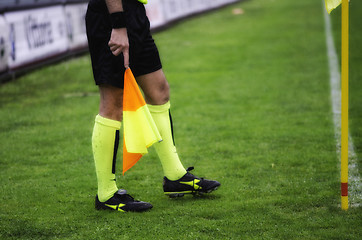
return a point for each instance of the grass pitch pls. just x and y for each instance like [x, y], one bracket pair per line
[251, 108]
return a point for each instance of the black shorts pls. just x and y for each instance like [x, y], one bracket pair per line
[143, 54]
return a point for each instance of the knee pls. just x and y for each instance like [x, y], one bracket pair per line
[159, 94]
[164, 92]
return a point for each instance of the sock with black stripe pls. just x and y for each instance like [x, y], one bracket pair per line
[105, 141]
[166, 150]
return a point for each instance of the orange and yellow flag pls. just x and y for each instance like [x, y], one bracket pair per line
[332, 4]
[139, 129]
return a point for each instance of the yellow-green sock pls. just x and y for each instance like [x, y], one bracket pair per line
[166, 150]
[105, 141]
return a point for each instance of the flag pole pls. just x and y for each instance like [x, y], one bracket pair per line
[344, 113]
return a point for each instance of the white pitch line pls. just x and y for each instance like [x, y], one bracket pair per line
[354, 179]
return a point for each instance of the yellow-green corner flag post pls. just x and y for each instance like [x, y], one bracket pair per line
[344, 90]
[330, 5]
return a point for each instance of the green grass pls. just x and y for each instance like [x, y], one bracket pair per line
[251, 108]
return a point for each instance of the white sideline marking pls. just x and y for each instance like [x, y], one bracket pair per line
[354, 179]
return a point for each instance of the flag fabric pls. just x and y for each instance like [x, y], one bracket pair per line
[140, 130]
[332, 4]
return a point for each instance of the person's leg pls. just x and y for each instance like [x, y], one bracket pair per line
[105, 139]
[105, 142]
[111, 102]
[155, 87]
[108, 72]
[156, 91]
[177, 180]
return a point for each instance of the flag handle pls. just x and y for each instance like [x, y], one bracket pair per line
[344, 113]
